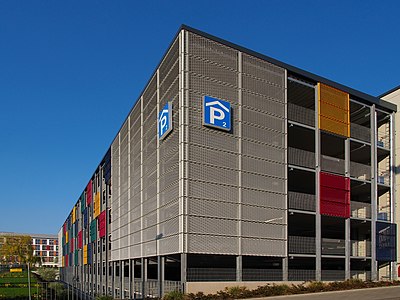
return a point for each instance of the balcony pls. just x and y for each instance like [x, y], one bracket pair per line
[360, 210]
[332, 246]
[302, 158]
[301, 245]
[360, 171]
[301, 114]
[360, 132]
[301, 201]
[361, 248]
[332, 164]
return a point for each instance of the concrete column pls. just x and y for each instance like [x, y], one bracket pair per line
[374, 195]
[239, 268]
[347, 221]
[183, 269]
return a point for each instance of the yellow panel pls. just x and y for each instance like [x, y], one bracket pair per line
[85, 258]
[96, 210]
[333, 96]
[63, 261]
[334, 127]
[66, 237]
[74, 214]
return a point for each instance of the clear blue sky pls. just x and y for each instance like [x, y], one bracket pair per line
[70, 71]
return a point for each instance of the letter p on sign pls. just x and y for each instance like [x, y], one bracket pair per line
[216, 113]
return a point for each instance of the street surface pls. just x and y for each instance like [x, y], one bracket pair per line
[382, 293]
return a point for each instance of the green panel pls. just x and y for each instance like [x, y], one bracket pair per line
[93, 231]
[76, 257]
[83, 202]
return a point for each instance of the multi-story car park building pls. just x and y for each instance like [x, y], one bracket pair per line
[45, 246]
[233, 166]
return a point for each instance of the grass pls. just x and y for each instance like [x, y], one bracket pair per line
[15, 285]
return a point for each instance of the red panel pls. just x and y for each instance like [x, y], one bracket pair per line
[66, 260]
[335, 181]
[334, 195]
[89, 192]
[80, 240]
[102, 224]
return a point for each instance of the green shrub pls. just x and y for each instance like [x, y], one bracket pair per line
[174, 295]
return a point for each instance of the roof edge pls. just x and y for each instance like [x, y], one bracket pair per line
[389, 91]
[293, 69]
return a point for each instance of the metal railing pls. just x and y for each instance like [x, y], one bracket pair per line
[301, 201]
[360, 210]
[262, 274]
[332, 246]
[332, 164]
[361, 248]
[301, 275]
[360, 171]
[301, 114]
[211, 274]
[332, 275]
[362, 275]
[360, 132]
[302, 158]
[301, 245]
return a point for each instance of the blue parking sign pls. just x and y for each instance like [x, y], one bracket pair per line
[165, 121]
[216, 113]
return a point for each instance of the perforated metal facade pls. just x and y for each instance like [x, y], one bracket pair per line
[215, 204]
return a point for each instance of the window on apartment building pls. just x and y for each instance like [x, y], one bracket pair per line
[109, 242]
[103, 242]
[104, 268]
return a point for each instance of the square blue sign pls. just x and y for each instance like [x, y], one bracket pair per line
[164, 123]
[216, 113]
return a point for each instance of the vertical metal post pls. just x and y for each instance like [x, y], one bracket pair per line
[239, 260]
[183, 268]
[393, 199]
[347, 220]
[317, 190]
[285, 267]
[374, 193]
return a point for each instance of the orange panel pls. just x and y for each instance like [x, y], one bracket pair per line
[334, 127]
[333, 96]
[333, 110]
[85, 254]
[96, 210]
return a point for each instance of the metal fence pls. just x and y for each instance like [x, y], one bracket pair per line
[301, 245]
[332, 246]
[360, 210]
[360, 132]
[301, 201]
[301, 114]
[302, 158]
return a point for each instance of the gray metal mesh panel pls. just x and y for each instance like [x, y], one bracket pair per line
[263, 167]
[212, 208]
[266, 183]
[169, 194]
[150, 220]
[213, 157]
[212, 226]
[263, 198]
[263, 151]
[169, 177]
[212, 51]
[265, 247]
[258, 68]
[169, 244]
[265, 136]
[212, 244]
[212, 174]
[263, 103]
[169, 211]
[213, 139]
[170, 227]
[263, 214]
[212, 191]
[262, 119]
[263, 230]
[149, 234]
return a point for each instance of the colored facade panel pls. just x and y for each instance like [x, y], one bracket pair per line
[76, 257]
[80, 239]
[89, 193]
[85, 218]
[89, 253]
[102, 224]
[96, 210]
[334, 108]
[93, 231]
[74, 215]
[386, 241]
[66, 237]
[82, 199]
[85, 256]
[334, 195]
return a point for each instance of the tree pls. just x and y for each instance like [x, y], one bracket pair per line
[16, 249]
